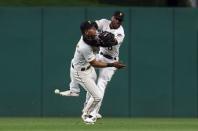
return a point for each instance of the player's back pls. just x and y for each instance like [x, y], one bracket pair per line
[82, 55]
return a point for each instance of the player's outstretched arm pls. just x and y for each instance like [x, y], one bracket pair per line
[100, 64]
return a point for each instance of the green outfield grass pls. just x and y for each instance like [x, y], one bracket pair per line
[106, 124]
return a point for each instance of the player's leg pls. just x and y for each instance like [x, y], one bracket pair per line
[74, 86]
[90, 86]
[93, 92]
[105, 75]
[88, 95]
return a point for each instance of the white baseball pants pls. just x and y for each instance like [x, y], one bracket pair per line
[87, 80]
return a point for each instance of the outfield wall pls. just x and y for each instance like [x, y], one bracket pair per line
[160, 50]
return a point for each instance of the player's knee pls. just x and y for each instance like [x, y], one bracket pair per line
[102, 85]
[98, 98]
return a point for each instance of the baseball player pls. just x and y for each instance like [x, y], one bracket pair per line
[82, 71]
[108, 54]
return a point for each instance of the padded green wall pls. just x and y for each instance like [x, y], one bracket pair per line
[20, 55]
[160, 50]
[185, 63]
[152, 42]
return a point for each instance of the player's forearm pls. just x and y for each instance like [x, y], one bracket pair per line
[99, 64]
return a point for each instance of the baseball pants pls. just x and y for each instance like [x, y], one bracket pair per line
[87, 80]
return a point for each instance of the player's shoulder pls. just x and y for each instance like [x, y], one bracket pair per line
[120, 30]
[83, 46]
[103, 20]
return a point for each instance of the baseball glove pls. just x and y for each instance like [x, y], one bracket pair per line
[107, 39]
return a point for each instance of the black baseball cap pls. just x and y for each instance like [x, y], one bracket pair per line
[86, 25]
[119, 15]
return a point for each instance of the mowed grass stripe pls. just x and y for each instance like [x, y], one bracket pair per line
[106, 124]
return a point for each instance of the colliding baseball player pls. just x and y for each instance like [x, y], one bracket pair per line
[109, 54]
[106, 54]
[82, 71]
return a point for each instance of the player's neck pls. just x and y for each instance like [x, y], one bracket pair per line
[110, 26]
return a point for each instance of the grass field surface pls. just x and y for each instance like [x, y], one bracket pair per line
[105, 124]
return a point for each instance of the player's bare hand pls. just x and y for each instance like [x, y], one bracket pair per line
[118, 65]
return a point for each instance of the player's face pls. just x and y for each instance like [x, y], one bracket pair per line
[91, 32]
[115, 23]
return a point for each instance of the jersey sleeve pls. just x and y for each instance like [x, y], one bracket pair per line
[119, 36]
[88, 54]
[100, 23]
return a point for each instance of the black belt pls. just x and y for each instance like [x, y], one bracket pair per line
[108, 56]
[83, 69]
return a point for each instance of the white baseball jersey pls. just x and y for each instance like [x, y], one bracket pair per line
[83, 55]
[104, 25]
